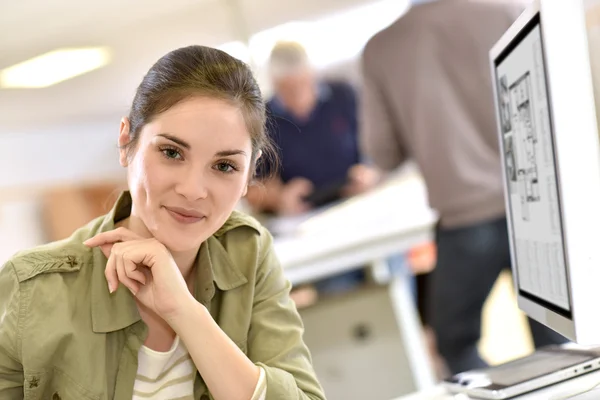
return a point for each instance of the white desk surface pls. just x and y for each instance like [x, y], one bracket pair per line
[389, 220]
[581, 388]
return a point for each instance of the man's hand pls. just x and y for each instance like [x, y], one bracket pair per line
[292, 195]
[361, 178]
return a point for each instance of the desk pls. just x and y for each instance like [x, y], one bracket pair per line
[365, 230]
[571, 389]
[387, 221]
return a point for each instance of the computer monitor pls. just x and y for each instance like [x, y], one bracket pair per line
[548, 131]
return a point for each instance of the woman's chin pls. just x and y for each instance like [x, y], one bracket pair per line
[178, 243]
[182, 247]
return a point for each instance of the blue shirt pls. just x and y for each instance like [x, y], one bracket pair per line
[323, 147]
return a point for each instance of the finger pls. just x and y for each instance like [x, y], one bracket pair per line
[307, 186]
[301, 185]
[350, 190]
[111, 274]
[132, 271]
[116, 235]
[141, 252]
[147, 274]
[355, 170]
[123, 278]
[306, 191]
[302, 208]
[106, 249]
[359, 176]
[299, 192]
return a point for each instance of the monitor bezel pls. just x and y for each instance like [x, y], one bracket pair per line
[569, 76]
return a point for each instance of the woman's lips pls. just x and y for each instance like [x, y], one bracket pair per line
[185, 216]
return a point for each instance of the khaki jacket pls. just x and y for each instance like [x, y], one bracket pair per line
[63, 336]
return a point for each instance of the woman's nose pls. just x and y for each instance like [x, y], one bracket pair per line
[192, 185]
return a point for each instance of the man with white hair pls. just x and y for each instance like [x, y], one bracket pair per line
[428, 97]
[313, 123]
[314, 126]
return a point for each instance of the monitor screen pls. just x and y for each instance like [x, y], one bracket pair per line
[531, 171]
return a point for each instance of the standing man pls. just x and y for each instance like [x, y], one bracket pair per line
[428, 96]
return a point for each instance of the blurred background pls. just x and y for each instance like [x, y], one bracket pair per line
[66, 133]
[59, 121]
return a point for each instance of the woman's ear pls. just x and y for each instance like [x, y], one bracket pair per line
[124, 139]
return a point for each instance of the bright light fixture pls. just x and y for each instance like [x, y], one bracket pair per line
[54, 67]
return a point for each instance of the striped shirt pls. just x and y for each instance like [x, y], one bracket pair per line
[171, 374]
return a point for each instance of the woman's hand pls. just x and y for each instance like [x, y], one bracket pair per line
[146, 268]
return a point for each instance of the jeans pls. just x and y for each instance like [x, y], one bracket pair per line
[469, 261]
[349, 280]
[343, 282]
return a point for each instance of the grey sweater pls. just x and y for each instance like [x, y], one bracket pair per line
[427, 96]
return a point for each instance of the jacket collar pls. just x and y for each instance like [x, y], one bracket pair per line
[113, 312]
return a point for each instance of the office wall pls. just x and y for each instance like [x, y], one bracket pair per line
[32, 162]
[19, 227]
[136, 42]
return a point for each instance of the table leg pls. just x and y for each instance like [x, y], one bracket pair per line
[403, 303]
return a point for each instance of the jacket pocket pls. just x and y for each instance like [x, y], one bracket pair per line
[63, 387]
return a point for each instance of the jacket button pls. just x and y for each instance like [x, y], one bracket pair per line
[71, 261]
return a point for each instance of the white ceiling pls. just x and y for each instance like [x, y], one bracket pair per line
[137, 31]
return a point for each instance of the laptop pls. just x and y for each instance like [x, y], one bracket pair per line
[545, 367]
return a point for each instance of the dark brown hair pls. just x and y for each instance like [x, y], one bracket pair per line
[202, 71]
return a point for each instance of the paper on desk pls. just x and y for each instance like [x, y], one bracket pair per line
[392, 211]
[400, 202]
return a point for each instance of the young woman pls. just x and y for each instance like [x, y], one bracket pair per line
[173, 294]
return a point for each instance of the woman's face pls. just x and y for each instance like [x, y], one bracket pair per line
[189, 169]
